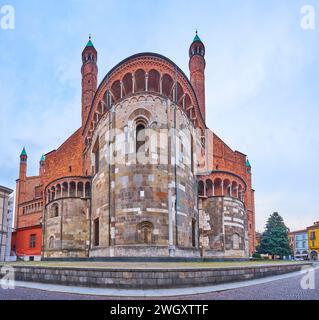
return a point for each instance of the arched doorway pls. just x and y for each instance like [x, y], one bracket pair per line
[145, 233]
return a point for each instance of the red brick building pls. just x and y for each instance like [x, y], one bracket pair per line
[84, 205]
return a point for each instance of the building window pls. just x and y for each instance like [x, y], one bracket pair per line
[97, 232]
[192, 154]
[193, 233]
[140, 138]
[96, 152]
[54, 211]
[32, 241]
[145, 232]
[313, 235]
[51, 242]
[181, 154]
[236, 241]
[127, 144]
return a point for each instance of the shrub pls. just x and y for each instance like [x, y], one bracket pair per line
[256, 255]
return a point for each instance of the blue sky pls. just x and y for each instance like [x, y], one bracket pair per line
[262, 82]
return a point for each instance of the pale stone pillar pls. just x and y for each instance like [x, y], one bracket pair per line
[161, 85]
[133, 83]
[121, 89]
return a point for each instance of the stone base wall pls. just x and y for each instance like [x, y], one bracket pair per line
[148, 278]
[66, 254]
[223, 227]
[133, 203]
[144, 251]
[67, 235]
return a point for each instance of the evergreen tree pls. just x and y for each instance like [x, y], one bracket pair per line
[274, 240]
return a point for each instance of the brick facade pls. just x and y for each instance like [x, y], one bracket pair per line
[185, 193]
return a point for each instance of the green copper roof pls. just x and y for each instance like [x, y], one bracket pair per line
[197, 38]
[23, 153]
[248, 164]
[42, 159]
[89, 44]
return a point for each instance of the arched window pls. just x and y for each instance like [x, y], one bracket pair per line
[53, 193]
[240, 192]
[88, 190]
[145, 233]
[54, 210]
[193, 233]
[51, 242]
[127, 84]
[218, 187]
[116, 90]
[140, 80]
[58, 191]
[209, 188]
[96, 153]
[140, 137]
[72, 189]
[154, 81]
[80, 190]
[168, 84]
[201, 188]
[227, 186]
[236, 241]
[97, 232]
[234, 189]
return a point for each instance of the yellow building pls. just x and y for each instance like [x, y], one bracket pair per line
[313, 239]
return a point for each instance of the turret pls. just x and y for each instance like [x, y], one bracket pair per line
[89, 78]
[248, 166]
[21, 184]
[250, 205]
[23, 165]
[197, 66]
[41, 167]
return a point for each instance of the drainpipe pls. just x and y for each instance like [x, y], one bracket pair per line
[2, 232]
[175, 151]
[109, 168]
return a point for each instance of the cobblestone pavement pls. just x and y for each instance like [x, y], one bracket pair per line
[285, 289]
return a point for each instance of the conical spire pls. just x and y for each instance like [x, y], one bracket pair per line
[197, 38]
[42, 158]
[23, 153]
[90, 43]
[248, 163]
